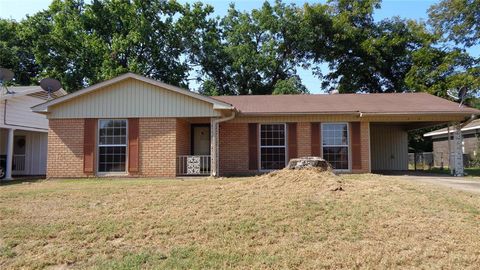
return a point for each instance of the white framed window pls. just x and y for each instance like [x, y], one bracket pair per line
[335, 145]
[112, 145]
[273, 146]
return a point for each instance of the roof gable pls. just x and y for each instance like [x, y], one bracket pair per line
[132, 97]
[44, 107]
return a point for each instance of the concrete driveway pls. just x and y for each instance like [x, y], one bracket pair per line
[469, 184]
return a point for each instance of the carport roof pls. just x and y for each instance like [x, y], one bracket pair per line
[475, 124]
[391, 103]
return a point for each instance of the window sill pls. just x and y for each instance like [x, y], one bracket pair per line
[112, 174]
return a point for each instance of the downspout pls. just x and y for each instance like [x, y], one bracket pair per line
[215, 142]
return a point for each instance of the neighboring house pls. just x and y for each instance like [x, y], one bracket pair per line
[23, 133]
[470, 143]
[135, 126]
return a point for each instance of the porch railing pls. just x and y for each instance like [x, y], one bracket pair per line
[18, 163]
[193, 165]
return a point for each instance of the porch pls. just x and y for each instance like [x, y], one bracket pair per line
[22, 152]
[194, 145]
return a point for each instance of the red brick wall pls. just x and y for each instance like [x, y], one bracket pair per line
[157, 151]
[364, 147]
[65, 148]
[162, 139]
[158, 147]
[183, 137]
[304, 133]
[234, 147]
[233, 138]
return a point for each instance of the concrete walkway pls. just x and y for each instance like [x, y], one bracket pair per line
[469, 184]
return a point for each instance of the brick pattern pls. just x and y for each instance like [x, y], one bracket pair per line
[233, 144]
[234, 147]
[158, 147]
[65, 148]
[183, 137]
[304, 134]
[162, 139]
[364, 147]
[440, 150]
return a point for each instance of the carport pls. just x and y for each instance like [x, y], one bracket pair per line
[389, 139]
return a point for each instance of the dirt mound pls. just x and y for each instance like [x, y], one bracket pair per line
[297, 179]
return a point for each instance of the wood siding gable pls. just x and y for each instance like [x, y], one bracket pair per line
[132, 98]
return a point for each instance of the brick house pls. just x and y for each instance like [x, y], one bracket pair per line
[470, 143]
[135, 126]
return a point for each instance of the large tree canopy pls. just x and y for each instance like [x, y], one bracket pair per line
[245, 52]
[458, 20]
[81, 44]
[363, 55]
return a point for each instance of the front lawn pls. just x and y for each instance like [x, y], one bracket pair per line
[289, 220]
[474, 171]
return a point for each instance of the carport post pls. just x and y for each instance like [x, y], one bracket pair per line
[458, 158]
[449, 151]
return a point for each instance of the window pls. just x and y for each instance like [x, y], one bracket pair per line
[272, 146]
[112, 145]
[335, 145]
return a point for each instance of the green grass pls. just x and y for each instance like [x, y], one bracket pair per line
[472, 172]
[270, 222]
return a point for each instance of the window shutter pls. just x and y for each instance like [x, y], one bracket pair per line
[356, 145]
[133, 144]
[316, 139]
[89, 138]
[252, 146]
[292, 140]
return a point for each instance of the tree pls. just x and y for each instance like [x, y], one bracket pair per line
[458, 20]
[81, 44]
[248, 52]
[290, 86]
[437, 70]
[363, 55]
[16, 53]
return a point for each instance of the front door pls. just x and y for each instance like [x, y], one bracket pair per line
[201, 140]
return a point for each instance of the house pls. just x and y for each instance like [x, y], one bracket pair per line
[23, 133]
[135, 126]
[470, 143]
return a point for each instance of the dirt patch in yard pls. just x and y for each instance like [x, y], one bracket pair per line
[286, 219]
[308, 179]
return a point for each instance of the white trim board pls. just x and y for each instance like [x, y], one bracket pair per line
[444, 132]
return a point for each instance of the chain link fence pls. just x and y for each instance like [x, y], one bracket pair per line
[430, 160]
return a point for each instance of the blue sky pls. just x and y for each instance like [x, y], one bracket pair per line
[413, 9]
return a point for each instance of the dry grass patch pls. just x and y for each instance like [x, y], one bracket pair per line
[281, 220]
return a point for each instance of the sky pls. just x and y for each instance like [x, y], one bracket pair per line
[412, 9]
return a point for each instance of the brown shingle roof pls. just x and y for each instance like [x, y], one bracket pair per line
[393, 103]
